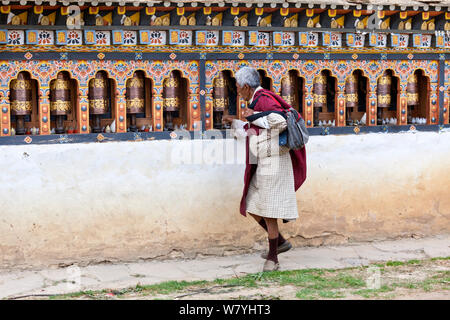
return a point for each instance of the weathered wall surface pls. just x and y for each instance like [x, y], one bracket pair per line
[128, 200]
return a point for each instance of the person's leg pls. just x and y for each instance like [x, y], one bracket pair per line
[263, 224]
[272, 231]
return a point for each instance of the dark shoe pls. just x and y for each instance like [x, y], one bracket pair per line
[281, 248]
[269, 265]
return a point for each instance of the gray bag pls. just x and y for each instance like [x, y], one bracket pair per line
[297, 134]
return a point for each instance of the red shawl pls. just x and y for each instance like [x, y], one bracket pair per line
[298, 157]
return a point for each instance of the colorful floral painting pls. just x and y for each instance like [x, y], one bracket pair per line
[422, 40]
[153, 38]
[158, 38]
[46, 37]
[399, 40]
[256, 38]
[207, 38]
[185, 37]
[16, 37]
[355, 40]
[332, 39]
[102, 38]
[313, 39]
[129, 37]
[233, 38]
[74, 38]
[283, 38]
[182, 37]
[378, 40]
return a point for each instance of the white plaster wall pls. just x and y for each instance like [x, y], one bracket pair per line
[128, 200]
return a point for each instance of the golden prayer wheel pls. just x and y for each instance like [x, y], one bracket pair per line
[171, 99]
[21, 100]
[383, 95]
[171, 93]
[20, 97]
[60, 99]
[220, 102]
[288, 90]
[412, 91]
[220, 93]
[320, 91]
[320, 95]
[135, 94]
[98, 94]
[351, 92]
[135, 98]
[384, 91]
[351, 96]
[98, 99]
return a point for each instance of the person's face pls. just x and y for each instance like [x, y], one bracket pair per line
[245, 91]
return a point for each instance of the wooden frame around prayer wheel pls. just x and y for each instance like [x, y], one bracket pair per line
[325, 97]
[225, 98]
[135, 97]
[99, 99]
[23, 100]
[388, 95]
[356, 97]
[175, 100]
[63, 101]
[293, 90]
[418, 95]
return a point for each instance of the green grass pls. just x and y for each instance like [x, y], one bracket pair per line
[311, 283]
[331, 294]
[306, 294]
[371, 293]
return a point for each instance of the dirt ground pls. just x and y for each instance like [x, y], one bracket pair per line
[411, 280]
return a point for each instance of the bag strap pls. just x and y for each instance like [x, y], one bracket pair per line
[278, 102]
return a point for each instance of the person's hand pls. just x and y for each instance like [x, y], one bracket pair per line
[228, 118]
[247, 112]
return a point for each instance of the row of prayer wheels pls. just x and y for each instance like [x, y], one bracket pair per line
[61, 94]
[224, 88]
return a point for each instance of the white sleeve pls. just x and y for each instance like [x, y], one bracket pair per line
[262, 122]
[238, 126]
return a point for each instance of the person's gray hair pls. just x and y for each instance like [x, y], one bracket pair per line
[248, 76]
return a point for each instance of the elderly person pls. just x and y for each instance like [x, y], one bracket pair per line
[270, 183]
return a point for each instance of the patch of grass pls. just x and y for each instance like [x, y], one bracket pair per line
[306, 294]
[168, 286]
[311, 283]
[330, 294]
[440, 258]
[79, 294]
[394, 263]
[406, 285]
[370, 293]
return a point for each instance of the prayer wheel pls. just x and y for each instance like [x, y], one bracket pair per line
[320, 96]
[171, 99]
[412, 94]
[220, 101]
[351, 96]
[60, 100]
[384, 95]
[21, 100]
[135, 98]
[98, 99]
[288, 90]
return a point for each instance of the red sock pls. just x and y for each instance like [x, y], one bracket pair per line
[273, 250]
[263, 224]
